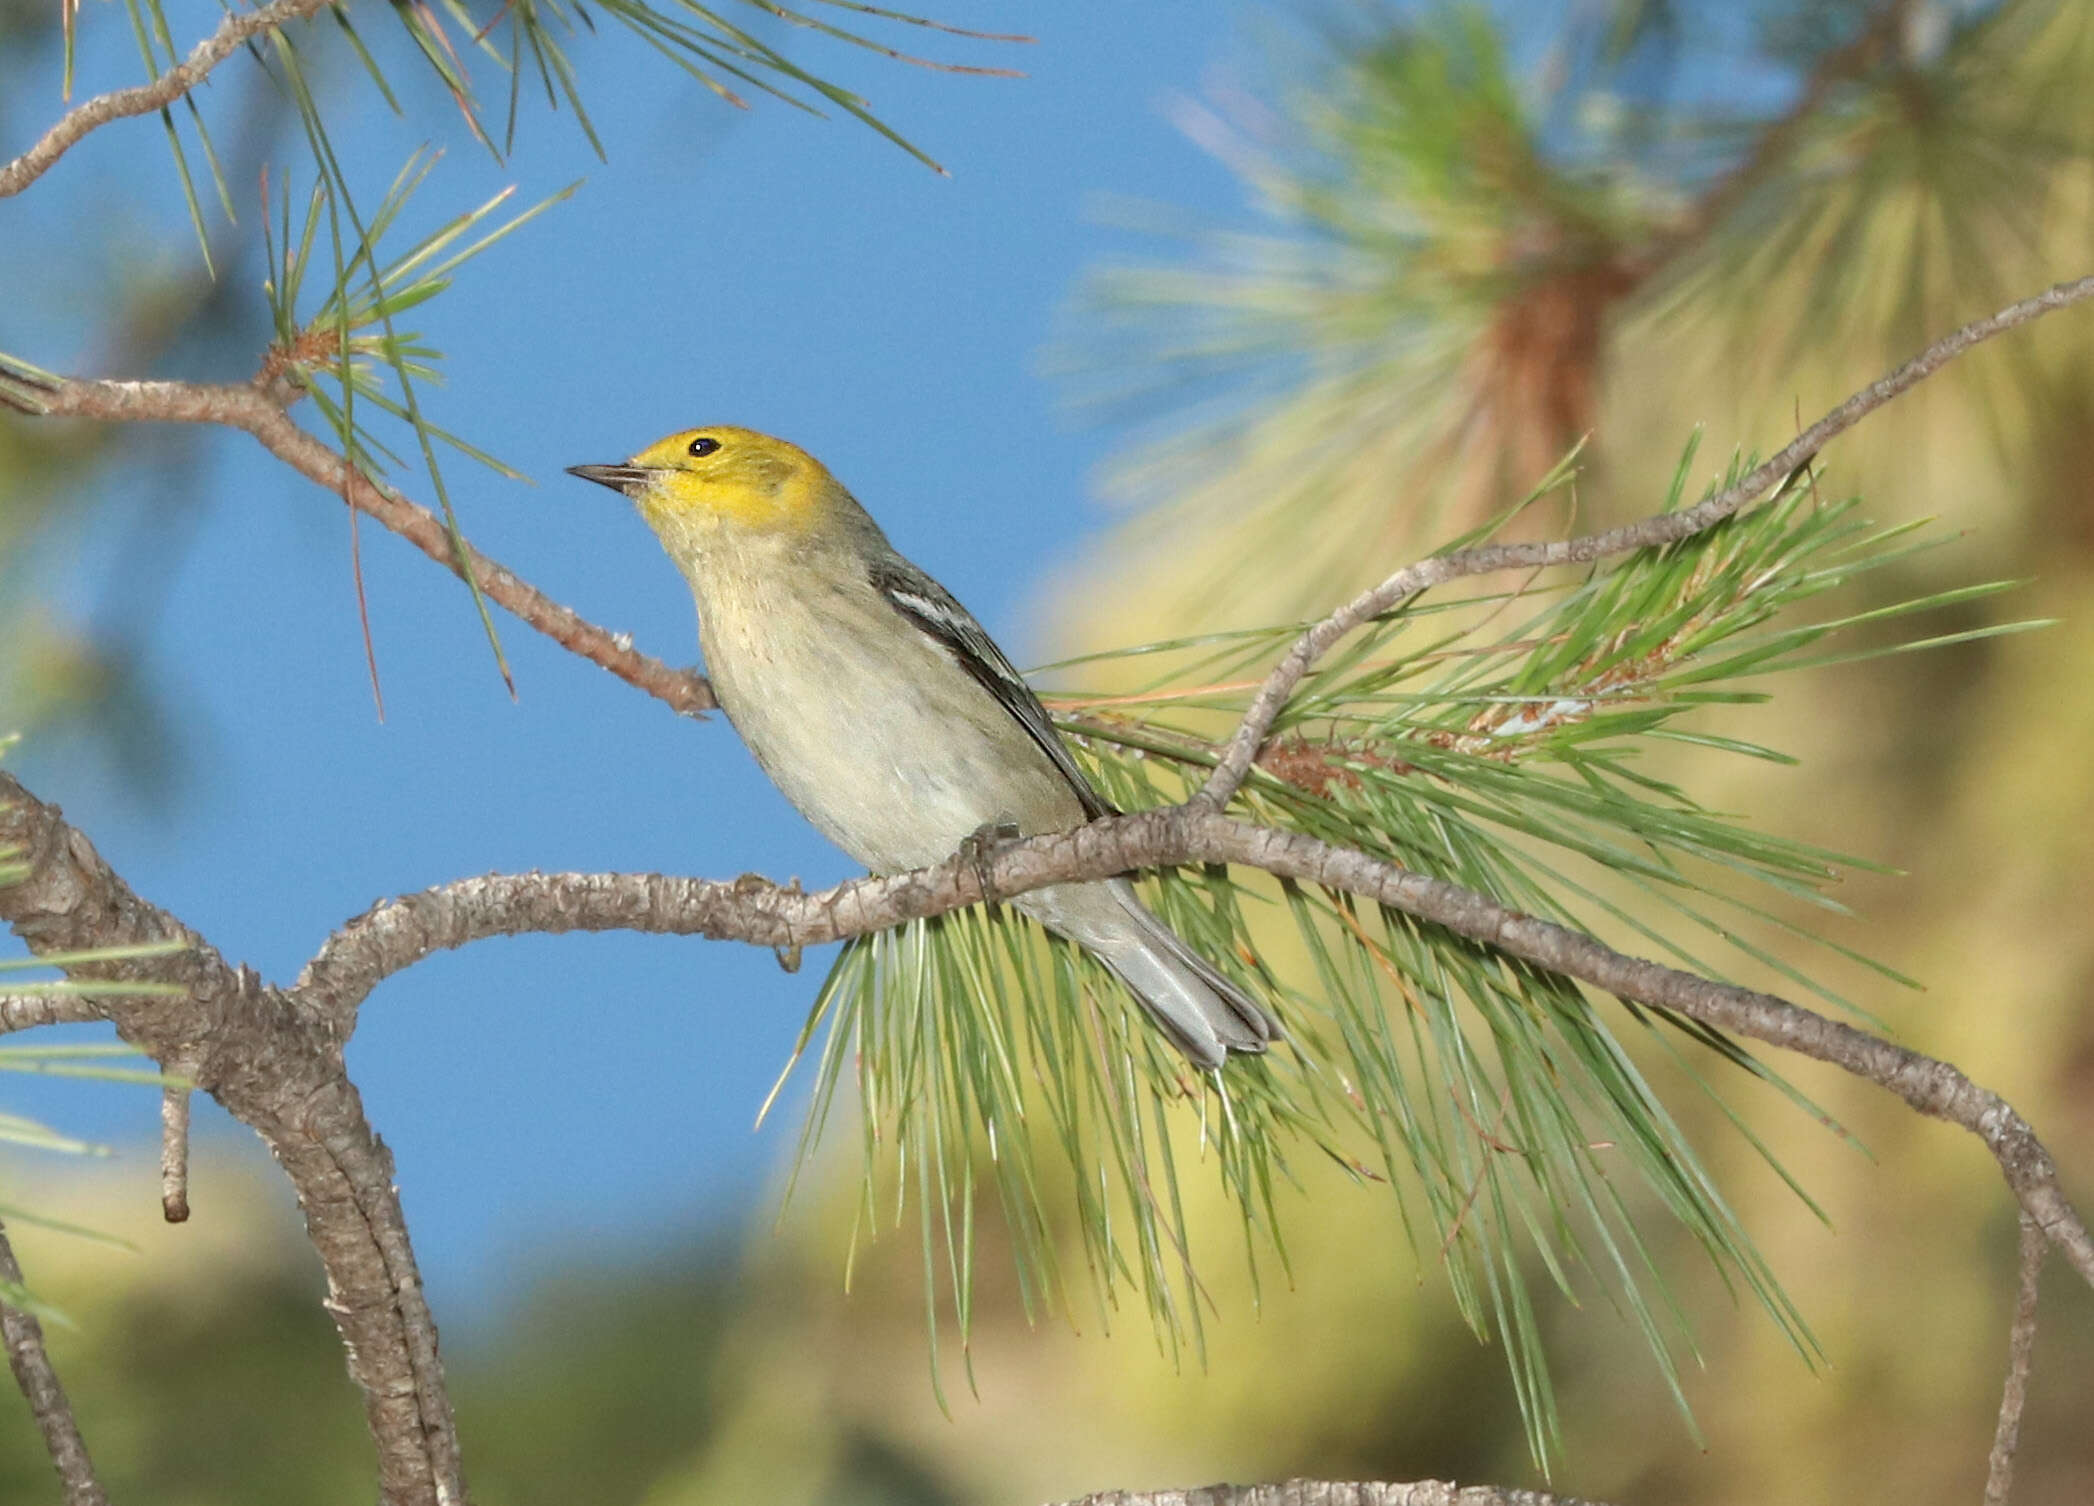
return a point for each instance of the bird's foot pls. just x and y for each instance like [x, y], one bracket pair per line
[789, 955]
[755, 883]
[979, 845]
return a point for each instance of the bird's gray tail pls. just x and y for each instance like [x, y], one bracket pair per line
[1205, 1015]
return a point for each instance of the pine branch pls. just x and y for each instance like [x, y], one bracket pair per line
[273, 1056]
[232, 33]
[2021, 1348]
[400, 932]
[28, 1011]
[174, 1152]
[26, 1356]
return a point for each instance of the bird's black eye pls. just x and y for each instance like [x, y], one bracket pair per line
[703, 446]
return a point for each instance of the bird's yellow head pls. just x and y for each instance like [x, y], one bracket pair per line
[699, 481]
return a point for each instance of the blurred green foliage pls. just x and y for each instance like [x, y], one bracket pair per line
[1475, 242]
[702, 1374]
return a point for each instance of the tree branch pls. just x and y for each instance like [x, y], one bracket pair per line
[2021, 1348]
[1335, 1493]
[273, 1062]
[170, 86]
[402, 931]
[1651, 532]
[174, 1154]
[26, 1356]
[252, 410]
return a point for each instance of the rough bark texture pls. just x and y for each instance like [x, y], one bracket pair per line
[276, 1065]
[24, 1338]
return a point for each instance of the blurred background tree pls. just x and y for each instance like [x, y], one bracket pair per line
[1480, 236]
[1484, 234]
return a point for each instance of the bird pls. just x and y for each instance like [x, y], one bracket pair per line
[886, 713]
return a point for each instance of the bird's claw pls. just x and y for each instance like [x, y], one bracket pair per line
[755, 883]
[980, 844]
[789, 955]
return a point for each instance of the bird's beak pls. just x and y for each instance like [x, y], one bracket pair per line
[629, 479]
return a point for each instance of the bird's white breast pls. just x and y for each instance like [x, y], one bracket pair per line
[870, 728]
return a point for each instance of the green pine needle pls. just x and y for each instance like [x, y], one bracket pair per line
[1492, 740]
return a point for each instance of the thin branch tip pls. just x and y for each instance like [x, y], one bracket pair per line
[174, 1153]
[41, 1388]
[236, 30]
[1658, 529]
[256, 410]
[2021, 1348]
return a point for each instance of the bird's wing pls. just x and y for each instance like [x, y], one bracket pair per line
[933, 610]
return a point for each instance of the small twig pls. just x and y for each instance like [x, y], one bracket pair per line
[27, 1011]
[174, 1153]
[2021, 1346]
[31, 1363]
[1336, 1493]
[1659, 529]
[170, 86]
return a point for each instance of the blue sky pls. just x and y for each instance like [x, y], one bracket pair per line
[800, 276]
